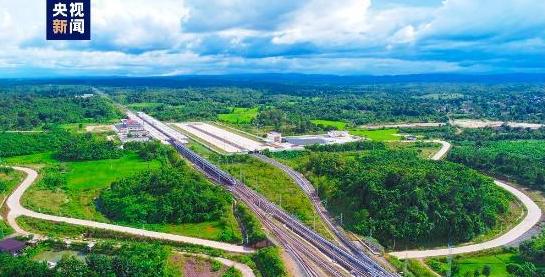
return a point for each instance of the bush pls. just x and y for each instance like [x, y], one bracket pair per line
[269, 263]
[252, 226]
[88, 147]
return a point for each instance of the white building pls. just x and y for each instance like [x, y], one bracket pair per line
[131, 130]
[274, 137]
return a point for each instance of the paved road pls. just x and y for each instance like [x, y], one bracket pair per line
[16, 209]
[244, 269]
[533, 216]
[445, 147]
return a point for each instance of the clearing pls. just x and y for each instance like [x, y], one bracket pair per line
[339, 125]
[377, 135]
[239, 115]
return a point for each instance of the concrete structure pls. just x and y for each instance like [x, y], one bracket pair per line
[274, 137]
[131, 130]
[337, 134]
[220, 138]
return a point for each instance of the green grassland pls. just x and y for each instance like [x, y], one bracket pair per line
[339, 125]
[84, 182]
[377, 135]
[143, 105]
[239, 115]
[8, 181]
[468, 264]
[86, 179]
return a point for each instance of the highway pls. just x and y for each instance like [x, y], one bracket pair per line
[357, 265]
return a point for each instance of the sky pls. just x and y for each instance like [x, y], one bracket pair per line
[344, 37]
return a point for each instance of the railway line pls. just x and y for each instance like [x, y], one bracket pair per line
[307, 187]
[357, 265]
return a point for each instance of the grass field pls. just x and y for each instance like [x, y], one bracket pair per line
[86, 179]
[497, 261]
[9, 181]
[143, 105]
[239, 115]
[339, 125]
[5, 230]
[377, 135]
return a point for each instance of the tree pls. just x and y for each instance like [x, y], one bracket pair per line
[70, 266]
[486, 270]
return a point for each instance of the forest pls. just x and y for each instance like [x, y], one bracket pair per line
[401, 199]
[291, 109]
[522, 161]
[16, 144]
[167, 195]
[30, 107]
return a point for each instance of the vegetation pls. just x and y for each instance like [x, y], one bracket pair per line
[16, 144]
[5, 230]
[31, 107]
[495, 263]
[252, 226]
[269, 262]
[167, 195]
[377, 135]
[239, 115]
[521, 161]
[72, 188]
[258, 175]
[88, 147]
[129, 260]
[329, 124]
[402, 199]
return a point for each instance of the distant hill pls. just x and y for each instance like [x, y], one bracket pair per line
[288, 79]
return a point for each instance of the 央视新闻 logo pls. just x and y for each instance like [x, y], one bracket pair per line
[68, 20]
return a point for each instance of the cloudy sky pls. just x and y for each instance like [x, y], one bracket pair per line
[381, 37]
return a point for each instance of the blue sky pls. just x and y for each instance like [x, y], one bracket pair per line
[347, 37]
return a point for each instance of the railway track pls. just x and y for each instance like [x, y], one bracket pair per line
[359, 265]
[307, 187]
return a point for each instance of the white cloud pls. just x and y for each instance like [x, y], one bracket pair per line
[168, 36]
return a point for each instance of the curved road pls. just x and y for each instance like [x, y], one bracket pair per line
[16, 209]
[533, 216]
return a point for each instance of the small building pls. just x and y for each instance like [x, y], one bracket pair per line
[131, 130]
[12, 246]
[410, 138]
[337, 134]
[274, 137]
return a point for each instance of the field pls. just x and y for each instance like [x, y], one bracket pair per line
[377, 135]
[140, 106]
[339, 125]
[239, 115]
[497, 260]
[86, 179]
